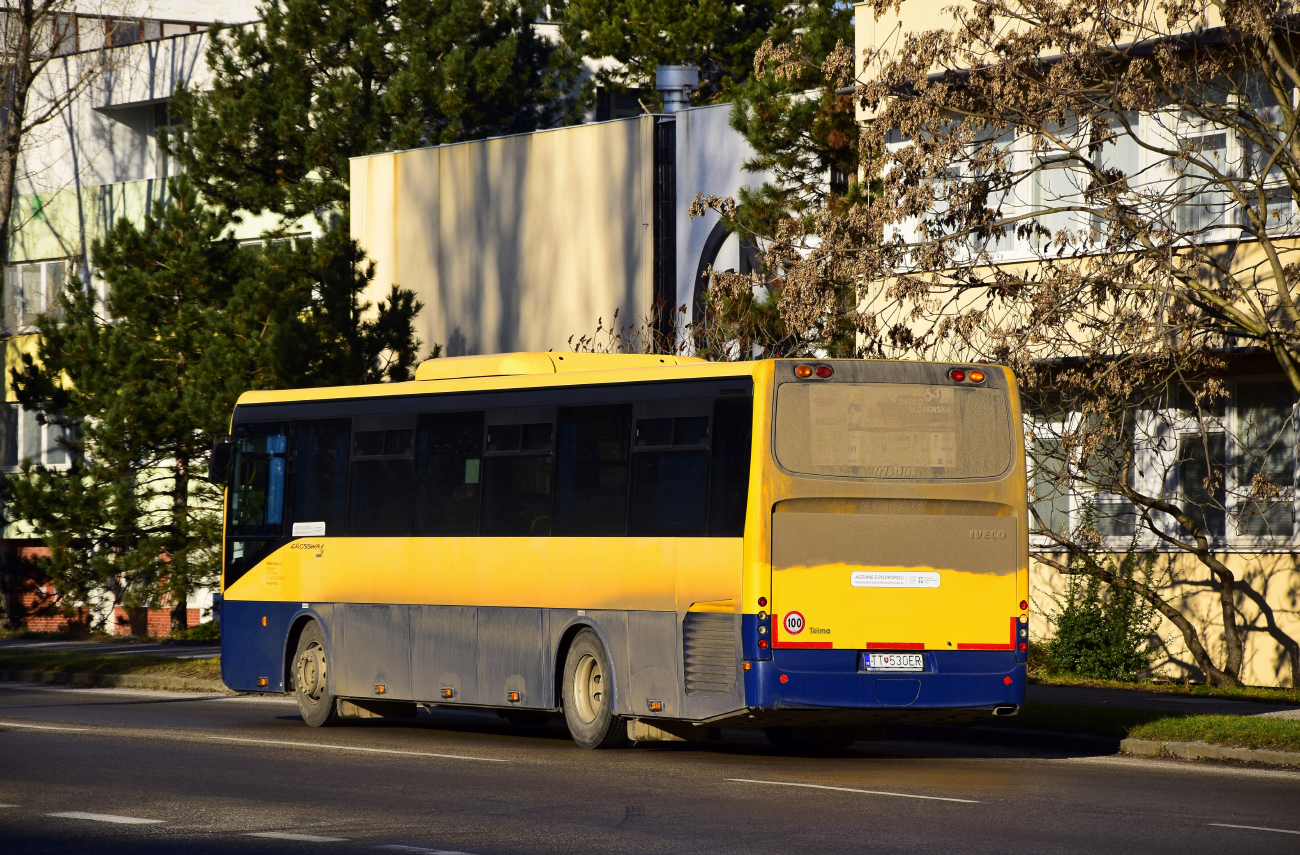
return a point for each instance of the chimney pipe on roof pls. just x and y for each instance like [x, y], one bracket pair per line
[676, 82]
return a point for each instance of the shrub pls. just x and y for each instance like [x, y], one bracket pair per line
[1104, 630]
[207, 631]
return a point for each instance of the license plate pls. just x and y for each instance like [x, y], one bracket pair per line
[893, 661]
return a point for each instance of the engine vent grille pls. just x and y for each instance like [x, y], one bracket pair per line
[709, 648]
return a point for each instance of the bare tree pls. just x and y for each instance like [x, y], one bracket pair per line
[1101, 194]
[38, 37]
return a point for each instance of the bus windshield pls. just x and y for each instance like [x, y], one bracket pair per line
[893, 430]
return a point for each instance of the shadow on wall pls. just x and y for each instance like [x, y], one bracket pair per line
[1268, 610]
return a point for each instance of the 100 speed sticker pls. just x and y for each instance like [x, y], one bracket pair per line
[793, 623]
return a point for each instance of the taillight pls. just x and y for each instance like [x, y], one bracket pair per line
[956, 375]
[762, 601]
[823, 371]
[762, 644]
[1023, 605]
[804, 371]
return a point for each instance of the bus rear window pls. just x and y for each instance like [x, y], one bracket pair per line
[893, 430]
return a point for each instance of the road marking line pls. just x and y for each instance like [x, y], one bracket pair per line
[358, 748]
[5, 806]
[38, 726]
[395, 847]
[1255, 828]
[852, 790]
[105, 817]
[305, 838]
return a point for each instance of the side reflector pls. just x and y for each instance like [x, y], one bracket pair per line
[263, 620]
[512, 697]
[655, 706]
[1006, 680]
[976, 376]
[824, 371]
[448, 693]
[957, 375]
[804, 371]
[744, 666]
[785, 679]
[380, 688]
[261, 681]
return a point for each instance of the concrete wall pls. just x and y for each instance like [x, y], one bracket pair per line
[1268, 606]
[514, 243]
[710, 159]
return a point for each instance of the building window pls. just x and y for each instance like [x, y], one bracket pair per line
[25, 440]
[31, 290]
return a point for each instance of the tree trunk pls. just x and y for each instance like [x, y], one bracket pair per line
[180, 615]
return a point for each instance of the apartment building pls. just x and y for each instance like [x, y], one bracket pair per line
[1202, 457]
[99, 159]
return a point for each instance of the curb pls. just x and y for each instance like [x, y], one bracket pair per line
[121, 681]
[1205, 751]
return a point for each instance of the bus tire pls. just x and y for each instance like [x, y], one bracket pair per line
[310, 676]
[588, 699]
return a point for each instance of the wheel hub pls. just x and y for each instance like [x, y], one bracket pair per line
[588, 688]
[311, 672]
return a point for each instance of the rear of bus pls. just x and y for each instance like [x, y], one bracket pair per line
[896, 538]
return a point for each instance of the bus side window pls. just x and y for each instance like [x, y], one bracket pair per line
[591, 476]
[448, 462]
[382, 479]
[517, 473]
[257, 488]
[320, 473]
[733, 420]
[670, 470]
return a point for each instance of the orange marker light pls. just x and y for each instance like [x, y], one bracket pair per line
[512, 697]
[745, 666]
[261, 681]
[804, 371]
[976, 376]
[263, 620]
[447, 693]
[380, 689]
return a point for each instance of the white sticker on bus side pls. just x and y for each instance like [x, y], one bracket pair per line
[902, 579]
[311, 529]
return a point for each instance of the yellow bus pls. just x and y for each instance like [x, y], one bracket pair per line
[653, 547]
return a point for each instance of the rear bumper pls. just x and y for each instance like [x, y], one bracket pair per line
[832, 680]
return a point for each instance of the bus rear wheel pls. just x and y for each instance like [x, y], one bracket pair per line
[588, 695]
[310, 675]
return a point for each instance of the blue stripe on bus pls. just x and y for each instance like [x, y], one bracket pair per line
[250, 651]
[817, 679]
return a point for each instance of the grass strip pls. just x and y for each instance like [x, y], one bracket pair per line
[77, 662]
[1237, 731]
[1277, 734]
[1267, 694]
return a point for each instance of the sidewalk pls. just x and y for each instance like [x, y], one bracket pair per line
[170, 649]
[1135, 699]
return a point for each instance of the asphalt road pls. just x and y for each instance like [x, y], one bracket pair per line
[117, 771]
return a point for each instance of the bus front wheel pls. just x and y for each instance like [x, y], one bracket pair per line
[588, 699]
[310, 677]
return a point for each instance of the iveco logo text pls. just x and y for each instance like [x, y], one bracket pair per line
[987, 534]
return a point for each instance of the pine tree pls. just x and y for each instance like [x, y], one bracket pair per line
[314, 84]
[719, 37]
[796, 116]
[196, 320]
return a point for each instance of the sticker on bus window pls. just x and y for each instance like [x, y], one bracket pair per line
[309, 529]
